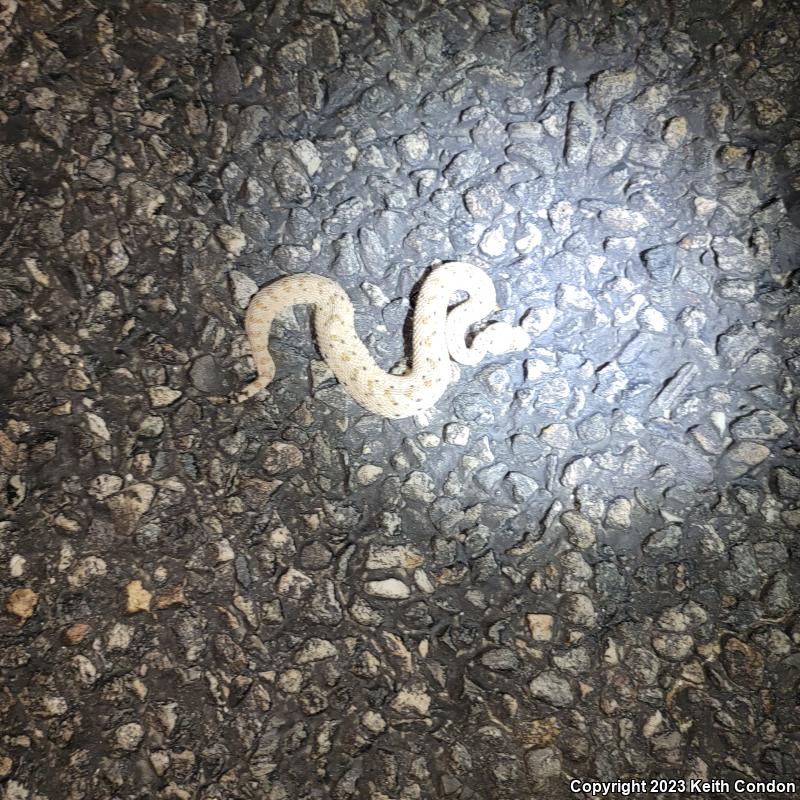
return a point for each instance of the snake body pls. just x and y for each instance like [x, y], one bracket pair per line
[437, 335]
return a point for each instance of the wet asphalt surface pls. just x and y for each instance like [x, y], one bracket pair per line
[581, 563]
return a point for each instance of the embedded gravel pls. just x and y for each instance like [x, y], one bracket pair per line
[581, 563]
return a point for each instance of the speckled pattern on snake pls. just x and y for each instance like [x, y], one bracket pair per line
[437, 336]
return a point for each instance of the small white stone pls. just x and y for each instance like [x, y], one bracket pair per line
[651, 319]
[540, 627]
[16, 565]
[232, 239]
[152, 425]
[41, 97]
[86, 569]
[373, 722]
[676, 131]
[619, 513]
[294, 583]
[53, 706]
[391, 557]
[531, 238]
[748, 453]
[129, 736]
[538, 320]
[705, 206]
[413, 147]
[281, 457]
[560, 215]
[456, 433]
[315, 650]
[377, 297]
[423, 582]
[624, 221]
[87, 672]
[595, 263]
[494, 242]
[412, 701]
[368, 473]
[390, 588]
[535, 368]
[579, 610]
[290, 681]
[118, 260]
[160, 761]
[224, 551]
[574, 297]
[243, 286]
[653, 724]
[628, 309]
[557, 434]
[104, 485]
[307, 154]
[97, 425]
[132, 502]
[162, 396]
[294, 53]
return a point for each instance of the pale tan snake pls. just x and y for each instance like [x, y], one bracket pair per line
[437, 336]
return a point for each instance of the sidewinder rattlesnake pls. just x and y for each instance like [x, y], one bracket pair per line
[437, 335]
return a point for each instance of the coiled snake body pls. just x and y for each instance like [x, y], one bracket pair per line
[437, 335]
